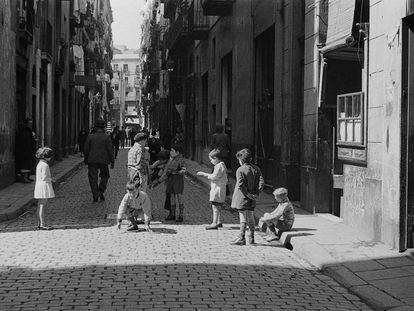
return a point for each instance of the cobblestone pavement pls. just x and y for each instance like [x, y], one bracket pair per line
[87, 264]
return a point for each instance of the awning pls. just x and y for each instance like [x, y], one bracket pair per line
[340, 22]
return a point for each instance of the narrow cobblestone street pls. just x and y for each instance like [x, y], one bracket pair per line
[87, 264]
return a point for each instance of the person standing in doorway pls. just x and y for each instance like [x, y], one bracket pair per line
[122, 135]
[98, 155]
[25, 150]
[81, 140]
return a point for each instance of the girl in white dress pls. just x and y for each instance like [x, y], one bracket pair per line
[43, 187]
[218, 182]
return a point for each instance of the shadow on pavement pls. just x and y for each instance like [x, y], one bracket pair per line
[168, 286]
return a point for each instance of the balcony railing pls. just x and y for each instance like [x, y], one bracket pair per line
[178, 29]
[47, 42]
[217, 7]
[198, 24]
[169, 8]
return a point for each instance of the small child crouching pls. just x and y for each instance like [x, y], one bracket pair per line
[135, 203]
[281, 218]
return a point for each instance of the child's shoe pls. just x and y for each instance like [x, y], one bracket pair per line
[212, 227]
[171, 215]
[239, 241]
[132, 228]
[180, 213]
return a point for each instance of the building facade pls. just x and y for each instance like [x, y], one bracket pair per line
[53, 54]
[126, 106]
[357, 154]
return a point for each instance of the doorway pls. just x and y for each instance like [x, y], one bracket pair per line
[407, 138]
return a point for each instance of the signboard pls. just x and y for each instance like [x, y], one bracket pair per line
[87, 81]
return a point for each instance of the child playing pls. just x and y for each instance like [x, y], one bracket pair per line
[281, 218]
[174, 181]
[138, 170]
[43, 187]
[157, 168]
[135, 203]
[249, 182]
[218, 187]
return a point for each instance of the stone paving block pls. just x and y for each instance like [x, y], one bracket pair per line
[376, 297]
[402, 287]
[365, 265]
[397, 261]
[382, 274]
[344, 276]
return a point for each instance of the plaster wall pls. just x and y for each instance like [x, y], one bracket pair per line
[8, 119]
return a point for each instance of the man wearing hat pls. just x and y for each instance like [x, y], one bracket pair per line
[98, 155]
[138, 161]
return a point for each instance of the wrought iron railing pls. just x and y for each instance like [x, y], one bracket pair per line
[198, 24]
[178, 27]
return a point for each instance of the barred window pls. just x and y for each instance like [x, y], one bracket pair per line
[351, 125]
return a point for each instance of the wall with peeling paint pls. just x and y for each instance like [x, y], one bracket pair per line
[371, 201]
[7, 97]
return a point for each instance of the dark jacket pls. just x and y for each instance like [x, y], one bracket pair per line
[249, 180]
[98, 149]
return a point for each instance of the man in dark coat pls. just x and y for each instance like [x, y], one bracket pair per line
[98, 155]
[221, 141]
[25, 149]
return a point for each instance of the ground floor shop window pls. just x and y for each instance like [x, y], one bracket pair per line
[351, 127]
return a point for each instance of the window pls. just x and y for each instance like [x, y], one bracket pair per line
[125, 67]
[115, 67]
[126, 80]
[351, 127]
[116, 87]
[137, 69]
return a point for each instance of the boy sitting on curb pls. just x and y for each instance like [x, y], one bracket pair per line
[281, 218]
[134, 204]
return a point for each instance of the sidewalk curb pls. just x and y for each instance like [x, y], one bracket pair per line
[25, 203]
[321, 259]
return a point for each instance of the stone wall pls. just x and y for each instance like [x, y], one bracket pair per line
[7, 98]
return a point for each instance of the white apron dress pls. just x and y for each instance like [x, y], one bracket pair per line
[43, 188]
[218, 181]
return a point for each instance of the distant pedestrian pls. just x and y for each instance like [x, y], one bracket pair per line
[249, 183]
[154, 146]
[138, 161]
[25, 149]
[43, 188]
[98, 155]
[174, 181]
[135, 203]
[218, 182]
[122, 136]
[282, 218]
[115, 138]
[127, 136]
[221, 141]
[81, 140]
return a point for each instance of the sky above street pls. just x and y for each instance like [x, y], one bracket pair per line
[127, 20]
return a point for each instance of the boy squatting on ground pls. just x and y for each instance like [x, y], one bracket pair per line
[281, 218]
[134, 204]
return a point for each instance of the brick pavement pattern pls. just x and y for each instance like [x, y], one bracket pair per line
[87, 264]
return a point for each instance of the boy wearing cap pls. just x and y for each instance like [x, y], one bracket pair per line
[281, 218]
[135, 203]
[138, 166]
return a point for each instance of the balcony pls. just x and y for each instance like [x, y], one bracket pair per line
[169, 8]
[217, 7]
[47, 43]
[198, 24]
[177, 34]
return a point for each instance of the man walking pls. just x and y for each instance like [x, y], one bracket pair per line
[98, 155]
